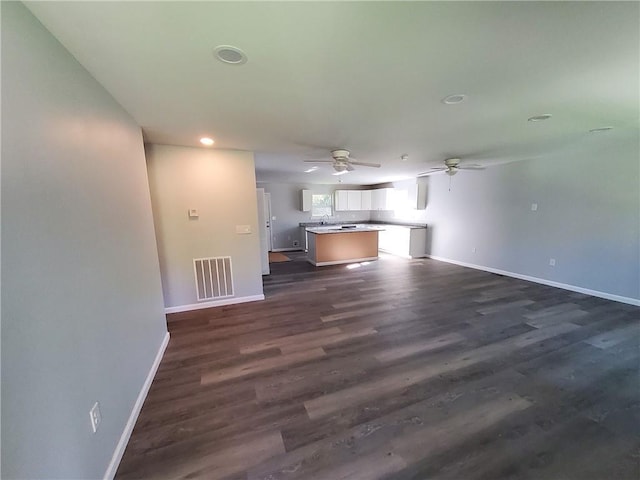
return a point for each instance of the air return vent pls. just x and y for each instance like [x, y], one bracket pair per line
[213, 277]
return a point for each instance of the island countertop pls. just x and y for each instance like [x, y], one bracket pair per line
[343, 229]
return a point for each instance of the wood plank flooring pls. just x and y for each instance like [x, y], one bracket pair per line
[397, 369]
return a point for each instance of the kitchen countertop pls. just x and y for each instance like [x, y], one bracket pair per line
[370, 222]
[337, 229]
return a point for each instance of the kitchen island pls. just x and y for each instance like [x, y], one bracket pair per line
[342, 244]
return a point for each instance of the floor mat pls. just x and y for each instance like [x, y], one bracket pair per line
[275, 257]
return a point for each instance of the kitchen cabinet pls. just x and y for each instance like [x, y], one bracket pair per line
[341, 200]
[305, 200]
[379, 199]
[354, 200]
[411, 197]
[382, 199]
[333, 246]
[403, 241]
[346, 200]
[366, 200]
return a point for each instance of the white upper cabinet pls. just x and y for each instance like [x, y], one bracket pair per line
[379, 199]
[382, 199]
[305, 200]
[366, 200]
[341, 200]
[354, 199]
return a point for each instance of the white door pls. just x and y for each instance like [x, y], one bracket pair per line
[263, 231]
[268, 218]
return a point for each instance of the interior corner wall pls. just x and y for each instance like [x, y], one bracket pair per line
[82, 315]
[286, 204]
[587, 217]
[221, 186]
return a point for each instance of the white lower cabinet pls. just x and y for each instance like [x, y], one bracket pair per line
[403, 241]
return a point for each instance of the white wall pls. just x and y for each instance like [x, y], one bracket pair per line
[588, 216]
[286, 205]
[82, 314]
[221, 185]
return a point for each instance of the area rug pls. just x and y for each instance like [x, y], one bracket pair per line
[276, 257]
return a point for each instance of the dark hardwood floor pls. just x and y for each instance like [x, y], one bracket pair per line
[398, 369]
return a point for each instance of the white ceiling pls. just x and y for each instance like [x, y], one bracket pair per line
[365, 76]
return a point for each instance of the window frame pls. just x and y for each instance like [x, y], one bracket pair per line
[316, 214]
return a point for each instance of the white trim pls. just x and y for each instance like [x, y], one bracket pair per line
[288, 249]
[133, 417]
[340, 262]
[565, 286]
[213, 303]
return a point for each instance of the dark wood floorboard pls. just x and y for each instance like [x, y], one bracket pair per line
[398, 369]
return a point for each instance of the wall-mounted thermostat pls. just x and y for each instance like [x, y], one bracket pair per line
[193, 213]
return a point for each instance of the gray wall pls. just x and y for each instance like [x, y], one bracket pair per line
[82, 317]
[286, 204]
[588, 216]
[221, 185]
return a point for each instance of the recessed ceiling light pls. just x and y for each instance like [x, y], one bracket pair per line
[540, 118]
[454, 99]
[230, 55]
[207, 141]
[600, 130]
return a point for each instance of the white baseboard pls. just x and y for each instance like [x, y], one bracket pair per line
[291, 249]
[565, 286]
[213, 303]
[133, 417]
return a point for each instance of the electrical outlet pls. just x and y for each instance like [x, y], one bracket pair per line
[534, 207]
[95, 416]
[552, 262]
[473, 250]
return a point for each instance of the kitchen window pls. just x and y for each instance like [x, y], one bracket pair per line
[321, 205]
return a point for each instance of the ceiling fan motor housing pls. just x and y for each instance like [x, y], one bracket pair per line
[452, 162]
[340, 154]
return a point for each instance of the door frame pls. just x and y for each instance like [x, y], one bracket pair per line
[268, 218]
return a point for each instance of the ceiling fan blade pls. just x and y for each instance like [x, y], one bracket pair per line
[471, 167]
[318, 161]
[426, 174]
[365, 164]
[438, 169]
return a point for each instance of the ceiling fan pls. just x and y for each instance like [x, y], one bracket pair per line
[342, 163]
[452, 166]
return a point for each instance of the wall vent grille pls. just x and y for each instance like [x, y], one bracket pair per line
[214, 278]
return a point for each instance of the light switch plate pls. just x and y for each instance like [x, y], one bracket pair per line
[534, 207]
[193, 213]
[243, 229]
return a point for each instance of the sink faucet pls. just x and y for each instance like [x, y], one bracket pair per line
[325, 216]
